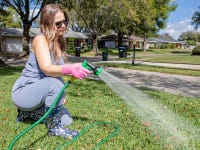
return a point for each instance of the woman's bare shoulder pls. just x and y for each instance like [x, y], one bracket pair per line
[39, 42]
[39, 38]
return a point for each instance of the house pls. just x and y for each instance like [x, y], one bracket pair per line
[161, 42]
[136, 41]
[111, 41]
[79, 39]
[11, 38]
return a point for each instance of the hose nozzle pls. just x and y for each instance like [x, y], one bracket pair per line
[96, 69]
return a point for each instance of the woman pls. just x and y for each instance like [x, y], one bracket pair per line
[40, 81]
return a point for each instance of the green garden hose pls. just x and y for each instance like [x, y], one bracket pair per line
[96, 72]
[116, 130]
[42, 118]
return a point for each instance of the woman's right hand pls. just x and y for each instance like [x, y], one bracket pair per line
[76, 70]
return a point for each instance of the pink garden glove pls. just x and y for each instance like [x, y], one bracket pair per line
[75, 70]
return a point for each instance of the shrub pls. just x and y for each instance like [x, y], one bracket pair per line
[196, 50]
[170, 46]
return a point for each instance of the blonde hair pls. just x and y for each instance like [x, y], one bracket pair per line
[47, 27]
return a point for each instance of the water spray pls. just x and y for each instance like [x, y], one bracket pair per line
[96, 70]
[172, 129]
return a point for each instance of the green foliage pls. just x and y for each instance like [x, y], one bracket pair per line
[153, 15]
[22, 8]
[10, 19]
[167, 46]
[70, 45]
[190, 42]
[196, 50]
[124, 17]
[190, 36]
[196, 18]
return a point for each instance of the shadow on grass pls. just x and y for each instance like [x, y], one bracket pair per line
[180, 52]
[84, 119]
[7, 70]
[30, 145]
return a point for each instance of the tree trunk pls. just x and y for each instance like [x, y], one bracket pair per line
[120, 37]
[95, 43]
[145, 43]
[26, 39]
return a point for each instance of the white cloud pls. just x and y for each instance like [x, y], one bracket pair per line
[176, 29]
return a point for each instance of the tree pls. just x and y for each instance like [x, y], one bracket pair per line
[10, 19]
[196, 19]
[190, 36]
[153, 14]
[90, 15]
[124, 18]
[147, 22]
[23, 7]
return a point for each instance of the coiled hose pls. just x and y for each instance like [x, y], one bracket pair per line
[74, 139]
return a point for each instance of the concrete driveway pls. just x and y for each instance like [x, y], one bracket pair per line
[175, 84]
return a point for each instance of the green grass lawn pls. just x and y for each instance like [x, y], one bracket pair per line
[92, 101]
[178, 56]
[182, 56]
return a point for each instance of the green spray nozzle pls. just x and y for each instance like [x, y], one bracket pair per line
[96, 69]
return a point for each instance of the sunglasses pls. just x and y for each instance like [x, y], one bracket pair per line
[60, 23]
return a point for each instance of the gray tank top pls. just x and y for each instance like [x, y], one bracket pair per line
[32, 72]
[32, 68]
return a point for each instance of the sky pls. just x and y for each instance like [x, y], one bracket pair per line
[180, 20]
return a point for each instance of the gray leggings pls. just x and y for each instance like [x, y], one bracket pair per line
[35, 96]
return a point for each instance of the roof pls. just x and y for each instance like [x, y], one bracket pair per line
[162, 40]
[76, 35]
[136, 38]
[112, 37]
[10, 32]
[16, 32]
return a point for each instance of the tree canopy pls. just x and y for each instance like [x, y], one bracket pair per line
[190, 36]
[10, 19]
[125, 17]
[22, 8]
[196, 19]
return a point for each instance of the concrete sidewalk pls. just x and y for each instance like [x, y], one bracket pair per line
[99, 60]
[15, 62]
[170, 65]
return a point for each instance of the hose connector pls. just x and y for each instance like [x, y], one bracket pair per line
[96, 69]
